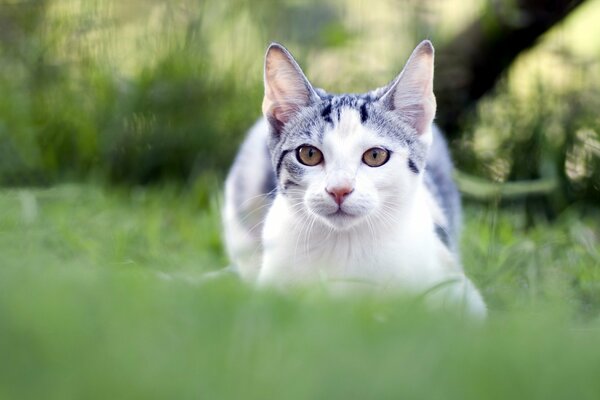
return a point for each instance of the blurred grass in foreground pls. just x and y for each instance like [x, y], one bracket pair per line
[100, 297]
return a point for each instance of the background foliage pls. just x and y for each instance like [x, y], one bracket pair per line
[147, 90]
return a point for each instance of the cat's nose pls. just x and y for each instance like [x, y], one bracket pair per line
[339, 193]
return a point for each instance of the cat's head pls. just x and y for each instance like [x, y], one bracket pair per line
[350, 158]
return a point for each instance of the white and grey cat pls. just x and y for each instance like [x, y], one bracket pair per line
[347, 189]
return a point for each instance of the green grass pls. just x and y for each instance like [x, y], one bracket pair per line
[101, 297]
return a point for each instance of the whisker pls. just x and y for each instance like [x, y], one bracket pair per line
[262, 195]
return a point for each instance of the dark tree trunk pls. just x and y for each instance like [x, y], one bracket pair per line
[471, 64]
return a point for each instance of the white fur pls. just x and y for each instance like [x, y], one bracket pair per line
[389, 241]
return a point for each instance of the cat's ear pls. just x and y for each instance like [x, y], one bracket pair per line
[411, 93]
[287, 90]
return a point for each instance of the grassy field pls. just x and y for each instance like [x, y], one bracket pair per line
[101, 296]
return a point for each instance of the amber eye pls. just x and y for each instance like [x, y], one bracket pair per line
[376, 157]
[309, 155]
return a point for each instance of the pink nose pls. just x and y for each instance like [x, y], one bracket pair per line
[340, 193]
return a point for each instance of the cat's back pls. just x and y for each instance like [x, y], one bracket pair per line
[439, 181]
[249, 191]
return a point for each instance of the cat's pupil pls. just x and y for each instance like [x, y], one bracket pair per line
[311, 153]
[374, 154]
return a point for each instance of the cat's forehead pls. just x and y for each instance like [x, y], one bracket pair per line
[349, 123]
[330, 114]
[345, 113]
[348, 113]
[352, 120]
[352, 117]
[332, 105]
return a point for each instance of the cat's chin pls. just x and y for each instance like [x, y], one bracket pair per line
[341, 221]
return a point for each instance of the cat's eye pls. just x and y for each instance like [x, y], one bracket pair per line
[376, 157]
[309, 155]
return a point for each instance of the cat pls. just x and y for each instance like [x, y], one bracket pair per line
[348, 189]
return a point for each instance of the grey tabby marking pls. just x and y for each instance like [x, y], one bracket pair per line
[412, 166]
[438, 179]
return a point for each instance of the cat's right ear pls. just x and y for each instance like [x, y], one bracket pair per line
[287, 90]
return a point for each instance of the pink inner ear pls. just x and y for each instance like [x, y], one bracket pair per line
[412, 93]
[287, 98]
[420, 115]
[282, 113]
[286, 88]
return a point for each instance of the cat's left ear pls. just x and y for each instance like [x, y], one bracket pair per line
[411, 94]
[287, 90]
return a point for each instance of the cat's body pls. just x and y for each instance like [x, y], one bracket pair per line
[347, 189]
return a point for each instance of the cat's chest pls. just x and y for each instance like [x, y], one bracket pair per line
[293, 255]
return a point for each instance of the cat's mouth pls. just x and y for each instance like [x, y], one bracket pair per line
[341, 219]
[340, 213]
[338, 217]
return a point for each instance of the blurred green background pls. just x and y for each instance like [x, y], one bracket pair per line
[118, 121]
[143, 91]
